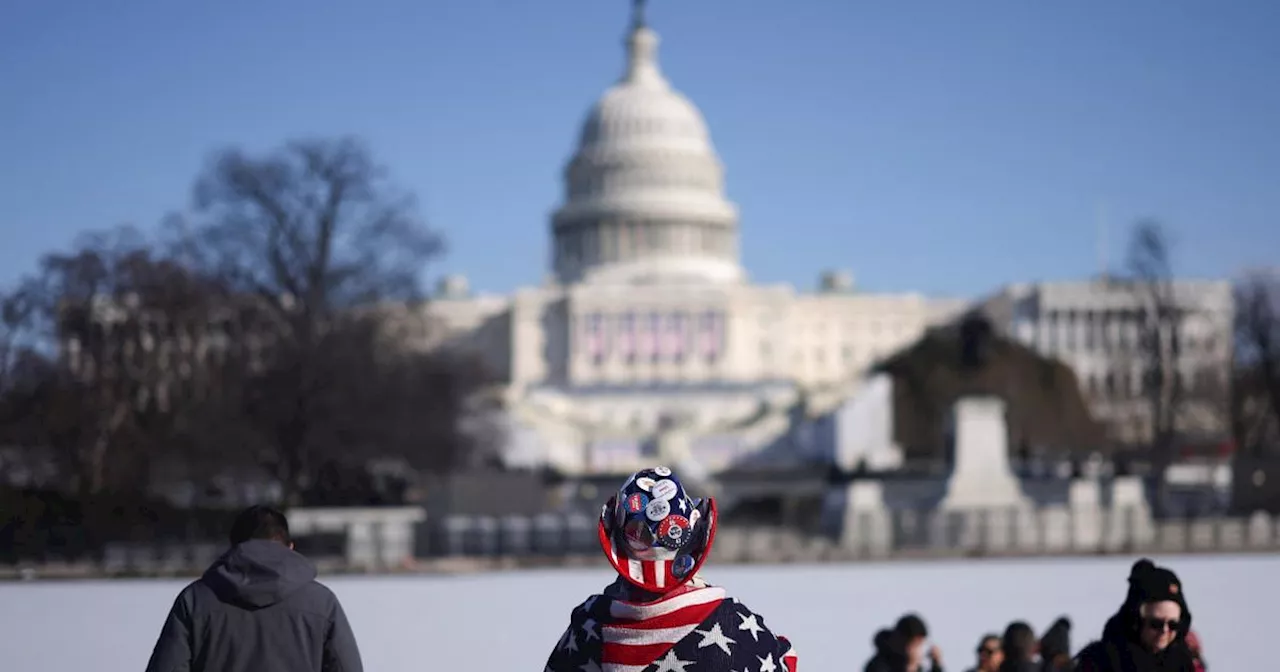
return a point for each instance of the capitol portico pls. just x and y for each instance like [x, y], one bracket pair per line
[648, 341]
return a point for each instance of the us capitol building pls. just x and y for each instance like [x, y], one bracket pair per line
[648, 342]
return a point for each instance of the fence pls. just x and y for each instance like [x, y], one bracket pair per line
[895, 534]
[468, 543]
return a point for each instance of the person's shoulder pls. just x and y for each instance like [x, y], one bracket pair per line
[1092, 657]
[315, 590]
[1093, 648]
[316, 598]
[595, 606]
[194, 590]
[750, 617]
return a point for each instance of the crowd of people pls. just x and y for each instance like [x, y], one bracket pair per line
[1124, 648]
[259, 606]
[1151, 631]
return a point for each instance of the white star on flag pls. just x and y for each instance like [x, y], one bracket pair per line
[682, 506]
[715, 637]
[766, 663]
[588, 626]
[750, 624]
[670, 663]
[568, 642]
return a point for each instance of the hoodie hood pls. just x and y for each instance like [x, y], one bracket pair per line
[1120, 642]
[258, 573]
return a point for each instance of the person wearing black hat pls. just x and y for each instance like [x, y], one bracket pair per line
[1055, 646]
[1149, 631]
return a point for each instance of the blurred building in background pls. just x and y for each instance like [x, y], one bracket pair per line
[649, 342]
[1097, 327]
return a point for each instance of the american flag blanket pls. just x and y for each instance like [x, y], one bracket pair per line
[697, 628]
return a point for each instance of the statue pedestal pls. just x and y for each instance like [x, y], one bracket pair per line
[981, 477]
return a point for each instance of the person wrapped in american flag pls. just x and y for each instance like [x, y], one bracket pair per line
[659, 614]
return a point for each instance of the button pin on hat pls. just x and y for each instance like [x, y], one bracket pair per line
[657, 510]
[665, 489]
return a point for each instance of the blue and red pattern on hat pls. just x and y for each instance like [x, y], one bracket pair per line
[655, 535]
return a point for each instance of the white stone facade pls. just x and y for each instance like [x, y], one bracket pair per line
[648, 342]
[1094, 326]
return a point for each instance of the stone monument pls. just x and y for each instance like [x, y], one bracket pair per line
[981, 477]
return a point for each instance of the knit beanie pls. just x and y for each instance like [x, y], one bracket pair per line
[1150, 583]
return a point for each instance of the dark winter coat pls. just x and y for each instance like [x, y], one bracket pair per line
[258, 607]
[1119, 651]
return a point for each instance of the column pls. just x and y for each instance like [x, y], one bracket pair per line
[361, 544]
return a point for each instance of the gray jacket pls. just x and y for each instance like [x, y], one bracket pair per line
[258, 607]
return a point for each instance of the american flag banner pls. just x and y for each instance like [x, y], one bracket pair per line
[646, 337]
[673, 336]
[627, 334]
[655, 328]
[696, 628]
[711, 334]
[595, 336]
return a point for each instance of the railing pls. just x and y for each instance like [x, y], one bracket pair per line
[467, 543]
[895, 534]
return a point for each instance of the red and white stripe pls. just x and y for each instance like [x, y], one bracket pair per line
[653, 573]
[643, 632]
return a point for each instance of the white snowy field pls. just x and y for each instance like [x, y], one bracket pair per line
[505, 622]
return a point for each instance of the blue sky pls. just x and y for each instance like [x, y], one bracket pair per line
[946, 147]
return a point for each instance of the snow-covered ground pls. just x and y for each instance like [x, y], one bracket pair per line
[505, 622]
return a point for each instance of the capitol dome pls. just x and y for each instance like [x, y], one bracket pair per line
[644, 192]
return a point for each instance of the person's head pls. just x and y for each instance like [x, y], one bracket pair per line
[1157, 604]
[911, 631]
[654, 534]
[260, 522]
[990, 655]
[1055, 644]
[1019, 642]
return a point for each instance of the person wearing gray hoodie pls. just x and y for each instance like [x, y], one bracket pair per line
[257, 607]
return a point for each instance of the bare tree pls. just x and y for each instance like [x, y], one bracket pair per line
[1159, 340]
[123, 329]
[1256, 407]
[316, 232]
[17, 310]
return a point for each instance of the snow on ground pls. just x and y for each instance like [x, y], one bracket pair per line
[506, 622]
